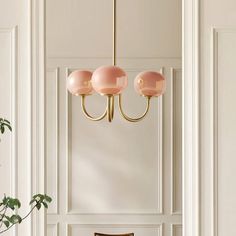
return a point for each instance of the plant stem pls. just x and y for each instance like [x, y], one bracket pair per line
[2, 209]
[17, 222]
[3, 215]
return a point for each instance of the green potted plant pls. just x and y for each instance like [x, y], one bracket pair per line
[8, 205]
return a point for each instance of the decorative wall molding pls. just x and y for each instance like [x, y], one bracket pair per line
[174, 71]
[56, 78]
[159, 210]
[158, 227]
[37, 31]
[133, 58]
[174, 228]
[13, 64]
[214, 136]
[13, 107]
[41, 177]
[215, 130]
[55, 228]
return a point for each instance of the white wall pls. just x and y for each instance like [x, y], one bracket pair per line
[114, 177]
[218, 56]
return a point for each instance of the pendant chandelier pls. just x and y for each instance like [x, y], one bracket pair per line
[110, 81]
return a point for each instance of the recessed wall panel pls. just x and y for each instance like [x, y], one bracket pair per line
[138, 230]
[176, 230]
[176, 137]
[106, 172]
[52, 132]
[8, 110]
[225, 130]
[52, 230]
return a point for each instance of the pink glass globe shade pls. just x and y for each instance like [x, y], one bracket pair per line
[109, 80]
[150, 84]
[79, 82]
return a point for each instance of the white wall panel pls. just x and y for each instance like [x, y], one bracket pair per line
[224, 55]
[176, 230]
[138, 193]
[149, 28]
[52, 230]
[145, 28]
[82, 24]
[8, 92]
[81, 197]
[8, 59]
[217, 117]
[52, 135]
[115, 177]
[176, 136]
[17, 75]
[138, 230]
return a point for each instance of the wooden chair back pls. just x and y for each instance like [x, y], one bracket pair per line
[100, 234]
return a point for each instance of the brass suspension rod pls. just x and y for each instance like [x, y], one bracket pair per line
[114, 32]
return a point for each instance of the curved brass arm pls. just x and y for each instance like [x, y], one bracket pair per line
[134, 119]
[86, 113]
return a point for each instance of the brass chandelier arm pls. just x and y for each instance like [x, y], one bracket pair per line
[133, 119]
[87, 114]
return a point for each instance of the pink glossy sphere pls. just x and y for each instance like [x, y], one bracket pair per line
[109, 80]
[79, 83]
[150, 84]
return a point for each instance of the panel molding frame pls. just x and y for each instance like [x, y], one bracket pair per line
[133, 58]
[56, 228]
[37, 73]
[214, 135]
[214, 55]
[173, 227]
[13, 64]
[159, 210]
[13, 32]
[191, 221]
[159, 227]
[56, 71]
[173, 183]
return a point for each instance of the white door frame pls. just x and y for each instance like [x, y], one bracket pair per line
[191, 159]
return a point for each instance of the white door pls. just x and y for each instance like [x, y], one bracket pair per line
[218, 117]
[117, 177]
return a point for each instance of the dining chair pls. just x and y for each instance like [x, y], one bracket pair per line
[100, 234]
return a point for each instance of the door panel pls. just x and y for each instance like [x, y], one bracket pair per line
[218, 38]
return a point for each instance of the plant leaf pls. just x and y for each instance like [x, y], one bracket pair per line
[32, 201]
[15, 219]
[45, 205]
[6, 223]
[38, 205]
[47, 198]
